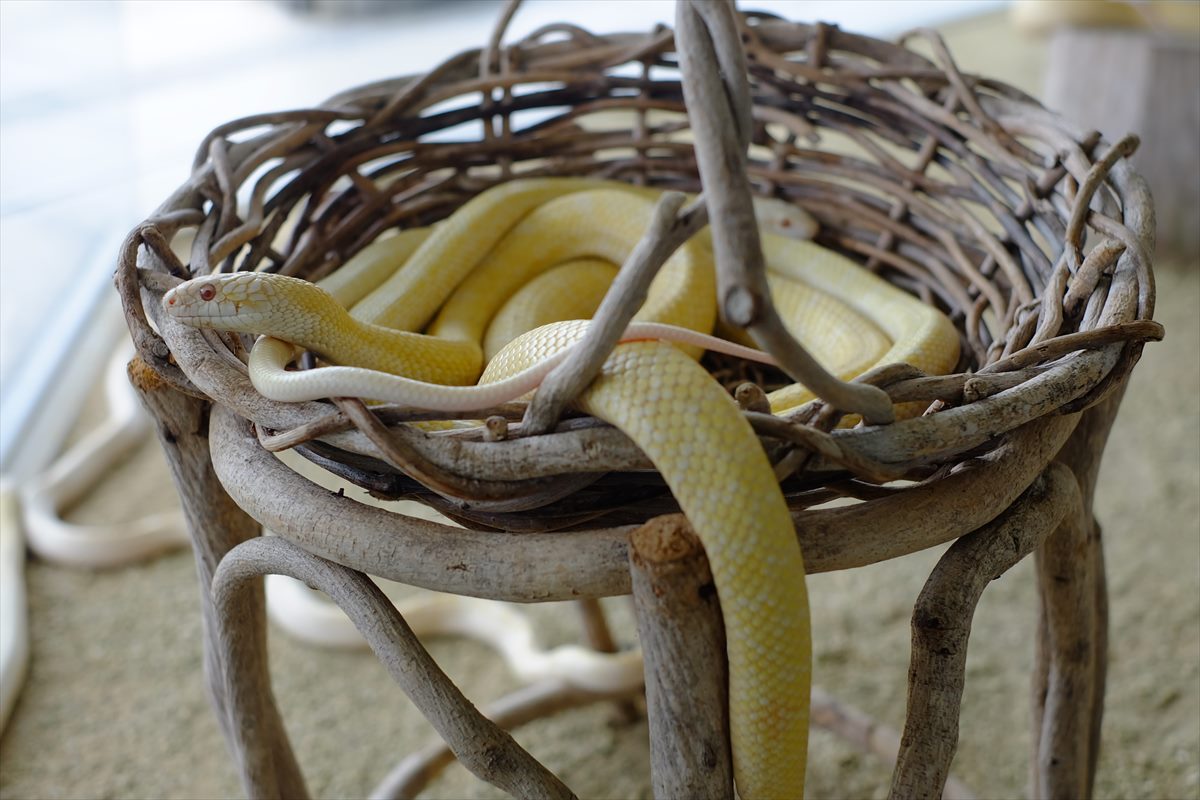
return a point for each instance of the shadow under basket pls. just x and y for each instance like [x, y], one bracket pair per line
[1034, 237]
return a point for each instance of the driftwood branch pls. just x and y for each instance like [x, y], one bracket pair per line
[706, 37]
[1096, 176]
[1097, 262]
[683, 645]
[483, 747]
[570, 565]
[239, 685]
[942, 624]
[488, 495]
[852, 536]
[1071, 654]
[521, 567]
[1066, 584]
[1142, 330]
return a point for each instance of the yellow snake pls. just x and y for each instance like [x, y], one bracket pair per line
[535, 239]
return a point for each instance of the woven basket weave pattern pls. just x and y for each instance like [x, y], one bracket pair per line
[960, 190]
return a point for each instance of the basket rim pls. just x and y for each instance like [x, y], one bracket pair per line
[1075, 380]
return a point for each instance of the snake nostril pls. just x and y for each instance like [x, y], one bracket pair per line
[170, 301]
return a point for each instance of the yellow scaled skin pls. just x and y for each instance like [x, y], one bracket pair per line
[695, 435]
[573, 290]
[602, 224]
[919, 335]
[306, 315]
[475, 261]
[697, 438]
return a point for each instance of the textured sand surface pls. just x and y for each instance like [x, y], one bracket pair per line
[115, 705]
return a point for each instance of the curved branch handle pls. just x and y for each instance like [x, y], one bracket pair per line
[717, 95]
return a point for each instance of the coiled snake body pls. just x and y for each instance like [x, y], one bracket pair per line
[514, 244]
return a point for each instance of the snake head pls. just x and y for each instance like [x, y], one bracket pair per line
[249, 302]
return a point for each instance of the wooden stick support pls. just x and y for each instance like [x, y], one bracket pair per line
[683, 644]
[1066, 583]
[1071, 654]
[241, 692]
[942, 625]
[483, 747]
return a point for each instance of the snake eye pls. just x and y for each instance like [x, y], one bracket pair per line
[208, 292]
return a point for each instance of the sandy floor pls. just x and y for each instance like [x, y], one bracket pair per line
[115, 705]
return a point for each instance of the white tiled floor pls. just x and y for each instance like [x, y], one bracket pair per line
[103, 101]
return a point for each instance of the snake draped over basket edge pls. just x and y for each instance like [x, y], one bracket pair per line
[500, 291]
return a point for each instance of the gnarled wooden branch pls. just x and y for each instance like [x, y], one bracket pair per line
[538, 567]
[216, 525]
[683, 647]
[408, 778]
[705, 38]
[490, 495]
[1066, 583]
[942, 624]
[522, 567]
[1071, 655]
[483, 747]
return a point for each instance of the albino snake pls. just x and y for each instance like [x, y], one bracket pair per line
[689, 427]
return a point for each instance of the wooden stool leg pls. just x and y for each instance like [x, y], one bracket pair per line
[216, 525]
[1066, 581]
[1072, 648]
[683, 644]
[942, 625]
[483, 748]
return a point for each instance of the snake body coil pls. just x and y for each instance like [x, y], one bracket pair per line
[471, 269]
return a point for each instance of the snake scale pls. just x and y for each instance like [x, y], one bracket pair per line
[506, 255]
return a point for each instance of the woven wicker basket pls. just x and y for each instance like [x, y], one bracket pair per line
[1034, 237]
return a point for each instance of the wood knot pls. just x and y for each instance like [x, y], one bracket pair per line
[495, 429]
[751, 397]
[144, 377]
[664, 539]
[925, 619]
[741, 306]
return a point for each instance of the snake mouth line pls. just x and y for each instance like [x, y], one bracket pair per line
[192, 317]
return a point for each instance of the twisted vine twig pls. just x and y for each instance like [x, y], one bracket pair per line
[482, 746]
[722, 132]
[941, 625]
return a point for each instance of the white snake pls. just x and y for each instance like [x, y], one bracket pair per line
[684, 421]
